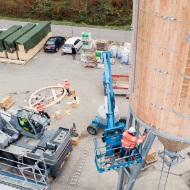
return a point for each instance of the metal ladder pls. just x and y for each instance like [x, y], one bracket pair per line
[169, 159]
[78, 170]
[164, 176]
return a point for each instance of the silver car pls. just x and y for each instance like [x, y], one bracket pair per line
[67, 47]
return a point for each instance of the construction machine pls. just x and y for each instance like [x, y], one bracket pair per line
[107, 156]
[101, 119]
[25, 139]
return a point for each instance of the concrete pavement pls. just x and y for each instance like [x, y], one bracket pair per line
[46, 69]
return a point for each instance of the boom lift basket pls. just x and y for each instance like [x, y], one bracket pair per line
[106, 163]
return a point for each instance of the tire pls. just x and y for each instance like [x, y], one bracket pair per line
[92, 129]
[123, 120]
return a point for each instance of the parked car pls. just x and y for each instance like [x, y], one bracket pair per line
[54, 43]
[67, 47]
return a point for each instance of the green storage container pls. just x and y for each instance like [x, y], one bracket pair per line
[35, 35]
[7, 33]
[9, 42]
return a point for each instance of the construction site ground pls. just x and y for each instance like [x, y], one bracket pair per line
[47, 69]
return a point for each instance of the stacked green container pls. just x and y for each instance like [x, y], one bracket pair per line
[9, 42]
[35, 35]
[7, 33]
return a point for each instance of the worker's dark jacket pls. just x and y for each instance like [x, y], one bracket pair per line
[74, 50]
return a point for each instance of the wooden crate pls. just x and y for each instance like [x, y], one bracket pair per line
[74, 104]
[151, 161]
[12, 55]
[75, 140]
[6, 102]
[58, 115]
[151, 154]
[151, 157]
[3, 54]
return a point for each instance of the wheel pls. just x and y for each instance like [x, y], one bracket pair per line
[92, 129]
[123, 120]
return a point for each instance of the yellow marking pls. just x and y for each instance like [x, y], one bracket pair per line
[62, 164]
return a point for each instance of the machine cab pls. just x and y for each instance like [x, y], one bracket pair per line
[30, 123]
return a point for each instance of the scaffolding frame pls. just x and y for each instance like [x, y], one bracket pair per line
[24, 176]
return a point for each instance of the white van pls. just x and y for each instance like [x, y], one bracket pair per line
[67, 47]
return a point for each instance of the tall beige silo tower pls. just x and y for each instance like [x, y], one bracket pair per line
[160, 78]
[160, 81]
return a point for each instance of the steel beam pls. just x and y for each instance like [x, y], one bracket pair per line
[129, 119]
[136, 171]
[120, 179]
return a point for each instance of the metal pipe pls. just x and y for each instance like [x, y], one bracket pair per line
[135, 33]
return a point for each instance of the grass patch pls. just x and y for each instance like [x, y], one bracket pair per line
[69, 23]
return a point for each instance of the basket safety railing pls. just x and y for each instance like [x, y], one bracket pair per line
[105, 163]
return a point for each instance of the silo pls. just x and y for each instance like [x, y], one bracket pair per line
[160, 75]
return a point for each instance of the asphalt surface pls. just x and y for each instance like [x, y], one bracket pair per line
[46, 69]
[71, 31]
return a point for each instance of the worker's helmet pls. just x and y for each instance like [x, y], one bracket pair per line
[132, 130]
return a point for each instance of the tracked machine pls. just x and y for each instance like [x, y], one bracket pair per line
[25, 138]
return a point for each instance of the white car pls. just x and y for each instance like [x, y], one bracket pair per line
[67, 47]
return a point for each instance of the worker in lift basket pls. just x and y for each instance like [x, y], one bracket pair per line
[67, 86]
[129, 141]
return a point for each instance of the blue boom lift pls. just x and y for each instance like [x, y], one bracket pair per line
[101, 119]
[107, 155]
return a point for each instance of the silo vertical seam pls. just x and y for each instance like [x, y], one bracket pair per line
[135, 44]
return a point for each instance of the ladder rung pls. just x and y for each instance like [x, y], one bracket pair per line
[72, 183]
[76, 175]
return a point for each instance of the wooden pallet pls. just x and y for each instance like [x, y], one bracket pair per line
[12, 61]
[151, 161]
